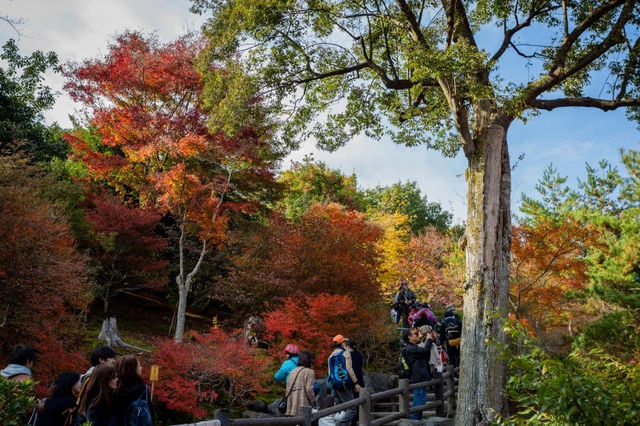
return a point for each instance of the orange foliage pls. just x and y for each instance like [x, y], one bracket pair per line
[423, 265]
[331, 250]
[547, 260]
[311, 322]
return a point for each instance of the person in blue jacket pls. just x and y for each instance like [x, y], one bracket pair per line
[291, 351]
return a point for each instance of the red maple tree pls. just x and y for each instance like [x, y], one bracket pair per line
[153, 145]
[43, 285]
[125, 248]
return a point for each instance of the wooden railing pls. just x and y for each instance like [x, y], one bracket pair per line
[443, 400]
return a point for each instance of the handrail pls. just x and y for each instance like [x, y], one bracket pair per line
[444, 401]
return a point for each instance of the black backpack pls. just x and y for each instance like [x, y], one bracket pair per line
[139, 413]
[404, 370]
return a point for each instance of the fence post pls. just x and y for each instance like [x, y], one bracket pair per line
[403, 398]
[438, 388]
[451, 387]
[306, 414]
[223, 417]
[364, 409]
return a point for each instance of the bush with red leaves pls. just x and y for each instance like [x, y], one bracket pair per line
[207, 369]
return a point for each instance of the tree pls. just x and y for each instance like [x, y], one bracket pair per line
[418, 66]
[43, 279]
[406, 198]
[392, 247]
[23, 99]
[311, 321]
[308, 183]
[153, 147]
[329, 250]
[125, 248]
[424, 265]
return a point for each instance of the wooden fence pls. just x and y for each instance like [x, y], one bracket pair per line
[443, 401]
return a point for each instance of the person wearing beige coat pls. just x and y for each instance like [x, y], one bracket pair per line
[300, 385]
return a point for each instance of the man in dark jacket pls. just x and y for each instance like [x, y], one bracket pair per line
[417, 355]
[450, 334]
[402, 303]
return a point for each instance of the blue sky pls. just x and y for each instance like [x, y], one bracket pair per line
[79, 29]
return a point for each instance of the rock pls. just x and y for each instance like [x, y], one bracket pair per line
[438, 421]
[409, 422]
[379, 382]
[255, 415]
[257, 405]
[272, 408]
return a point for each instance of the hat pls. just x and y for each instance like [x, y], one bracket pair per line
[450, 307]
[339, 338]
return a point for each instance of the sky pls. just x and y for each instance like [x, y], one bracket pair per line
[568, 138]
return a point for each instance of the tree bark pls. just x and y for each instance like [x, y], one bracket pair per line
[183, 291]
[109, 333]
[486, 291]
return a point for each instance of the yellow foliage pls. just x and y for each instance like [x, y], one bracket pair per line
[391, 248]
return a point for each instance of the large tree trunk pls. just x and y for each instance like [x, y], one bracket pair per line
[486, 291]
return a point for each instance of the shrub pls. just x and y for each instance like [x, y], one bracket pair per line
[16, 400]
[207, 370]
[585, 387]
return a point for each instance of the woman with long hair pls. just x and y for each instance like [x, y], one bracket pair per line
[97, 401]
[131, 386]
[63, 399]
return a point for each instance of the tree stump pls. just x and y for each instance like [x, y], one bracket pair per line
[109, 333]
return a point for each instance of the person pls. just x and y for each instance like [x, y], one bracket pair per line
[450, 334]
[423, 316]
[97, 401]
[300, 385]
[62, 401]
[357, 361]
[402, 302]
[417, 354]
[21, 362]
[344, 394]
[101, 355]
[291, 352]
[130, 384]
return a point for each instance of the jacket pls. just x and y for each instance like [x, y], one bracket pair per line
[300, 390]
[283, 373]
[126, 394]
[417, 358]
[54, 410]
[357, 361]
[16, 372]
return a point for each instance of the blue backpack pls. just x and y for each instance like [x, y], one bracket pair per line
[139, 413]
[338, 374]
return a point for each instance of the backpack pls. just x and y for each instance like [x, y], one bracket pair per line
[452, 330]
[139, 413]
[338, 375]
[404, 371]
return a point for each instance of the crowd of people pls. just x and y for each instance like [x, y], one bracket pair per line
[111, 393]
[428, 344]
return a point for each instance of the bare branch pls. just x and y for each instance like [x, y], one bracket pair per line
[586, 24]
[508, 34]
[558, 72]
[603, 104]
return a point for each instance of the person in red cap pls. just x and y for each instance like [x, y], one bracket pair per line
[291, 351]
[343, 387]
